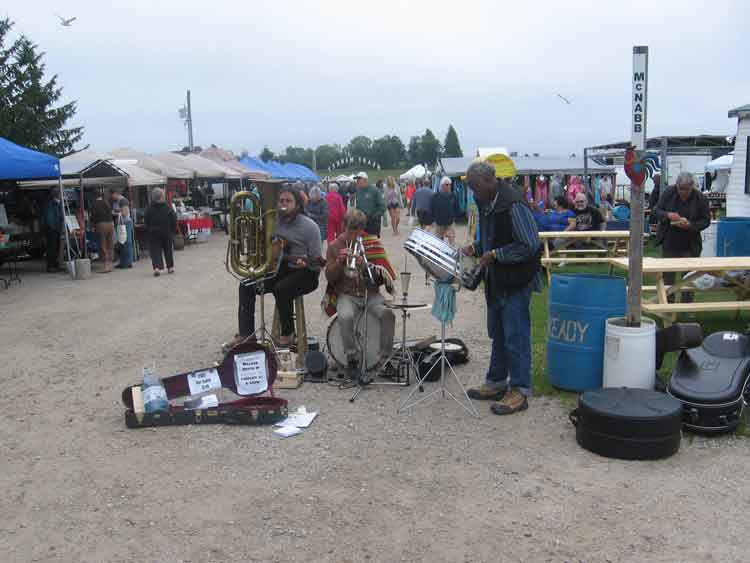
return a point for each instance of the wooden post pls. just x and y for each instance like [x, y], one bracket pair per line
[639, 141]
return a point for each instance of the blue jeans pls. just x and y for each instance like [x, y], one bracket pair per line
[509, 327]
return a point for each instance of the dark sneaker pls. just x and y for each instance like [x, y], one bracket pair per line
[486, 392]
[352, 371]
[514, 401]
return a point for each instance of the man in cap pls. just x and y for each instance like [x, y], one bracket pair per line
[370, 202]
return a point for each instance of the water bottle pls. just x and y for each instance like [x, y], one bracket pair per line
[154, 393]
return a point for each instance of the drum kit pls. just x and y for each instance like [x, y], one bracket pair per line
[440, 262]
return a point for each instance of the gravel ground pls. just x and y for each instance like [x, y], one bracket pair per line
[362, 484]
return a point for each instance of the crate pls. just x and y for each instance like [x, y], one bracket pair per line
[288, 380]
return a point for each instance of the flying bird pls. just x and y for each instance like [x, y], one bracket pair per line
[65, 22]
[564, 99]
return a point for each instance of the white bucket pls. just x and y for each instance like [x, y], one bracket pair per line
[709, 239]
[82, 269]
[629, 354]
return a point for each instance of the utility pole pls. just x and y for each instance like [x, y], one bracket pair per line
[189, 123]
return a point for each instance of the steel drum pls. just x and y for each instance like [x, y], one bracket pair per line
[439, 259]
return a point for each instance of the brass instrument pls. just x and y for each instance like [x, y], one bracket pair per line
[351, 259]
[356, 249]
[252, 216]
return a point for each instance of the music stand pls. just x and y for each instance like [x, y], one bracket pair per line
[442, 389]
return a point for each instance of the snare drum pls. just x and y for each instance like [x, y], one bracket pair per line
[335, 343]
[439, 259]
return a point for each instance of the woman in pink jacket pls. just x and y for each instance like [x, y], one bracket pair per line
[336, 211]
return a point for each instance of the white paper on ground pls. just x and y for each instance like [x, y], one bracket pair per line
[287, 431]
[298, 419]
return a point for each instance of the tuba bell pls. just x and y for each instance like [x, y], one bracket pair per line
[252, 215]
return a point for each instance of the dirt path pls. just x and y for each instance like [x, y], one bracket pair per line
[362, 484]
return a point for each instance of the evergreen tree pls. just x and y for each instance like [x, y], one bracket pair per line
[415, 150]
[431, 148]
[451, 147]
[27, 113]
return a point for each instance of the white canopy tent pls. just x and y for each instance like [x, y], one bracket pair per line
[415, 173]
[722, 163]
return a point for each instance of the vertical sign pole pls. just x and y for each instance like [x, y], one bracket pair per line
[638, 140]
[189, 123]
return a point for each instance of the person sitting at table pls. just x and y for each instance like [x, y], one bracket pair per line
[682, 213]
[587, 217]
[560, 218]
[299, 269]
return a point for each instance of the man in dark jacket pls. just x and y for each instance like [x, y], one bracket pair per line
[161, 223]
[511, 257]
[53, 227]
[682, 213]
[370, 201]
[317, 210]
[444, 211]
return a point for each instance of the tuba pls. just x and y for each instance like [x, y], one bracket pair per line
[252, 215]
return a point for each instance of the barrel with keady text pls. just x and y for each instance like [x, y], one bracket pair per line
[579, 305]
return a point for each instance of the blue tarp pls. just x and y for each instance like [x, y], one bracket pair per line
[20, 163]
[289, 171]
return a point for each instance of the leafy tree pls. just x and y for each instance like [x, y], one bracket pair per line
[298, 155]
[388, 151]
[27, 113]
[326, 155]
[415, 150]
[452, 148]
[267, 154]
[430, 148]
[359, 147]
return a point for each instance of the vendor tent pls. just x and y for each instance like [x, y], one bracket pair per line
[201, 167]
[414, 173]
[153, 164]
[20, 163]
[301, 172]
[722, 163]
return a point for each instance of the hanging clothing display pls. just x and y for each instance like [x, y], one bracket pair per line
[541, 191]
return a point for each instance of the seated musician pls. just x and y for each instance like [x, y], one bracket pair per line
[299, 268]
[346, 288]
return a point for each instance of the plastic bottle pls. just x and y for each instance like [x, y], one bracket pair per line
[154, 393]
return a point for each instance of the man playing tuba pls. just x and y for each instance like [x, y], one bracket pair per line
[298, 271]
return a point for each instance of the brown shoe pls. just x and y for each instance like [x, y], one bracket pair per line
[486, 393]
[514, 401]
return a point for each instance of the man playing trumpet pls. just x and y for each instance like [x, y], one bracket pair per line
[356, 267]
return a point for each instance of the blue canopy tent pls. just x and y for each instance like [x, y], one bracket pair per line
[289, 171]
[20, 163]
[302, 172]
[253, 163]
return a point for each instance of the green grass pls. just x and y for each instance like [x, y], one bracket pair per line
[711, 322]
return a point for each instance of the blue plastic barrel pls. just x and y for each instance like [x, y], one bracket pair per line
[733, 236]
[579, 305]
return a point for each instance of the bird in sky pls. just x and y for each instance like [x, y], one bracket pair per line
[65, 22]
[564, 99]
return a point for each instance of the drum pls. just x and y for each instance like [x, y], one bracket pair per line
[335, 343]
[439, 259]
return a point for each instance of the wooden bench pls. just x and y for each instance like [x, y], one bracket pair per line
[703, 306]
[602, 260]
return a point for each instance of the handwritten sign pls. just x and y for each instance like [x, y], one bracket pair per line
[202, 381]
[250, 373]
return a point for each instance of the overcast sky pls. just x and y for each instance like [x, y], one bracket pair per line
[282, 73]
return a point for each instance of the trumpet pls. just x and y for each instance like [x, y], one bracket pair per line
[356, 250]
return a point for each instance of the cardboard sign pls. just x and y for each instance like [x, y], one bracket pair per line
[250, 373]
[202, 381]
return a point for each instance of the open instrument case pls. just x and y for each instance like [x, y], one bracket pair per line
[253, 407]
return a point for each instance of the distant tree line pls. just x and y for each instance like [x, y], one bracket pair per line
[388, 151]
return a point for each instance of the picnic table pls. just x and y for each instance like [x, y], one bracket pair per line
[607, 245]
[719, 267]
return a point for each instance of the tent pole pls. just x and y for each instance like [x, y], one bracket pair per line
[65, 227]
[80, 212]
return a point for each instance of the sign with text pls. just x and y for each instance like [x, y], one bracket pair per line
[250, 373]
[640, 97]
[202, 381]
